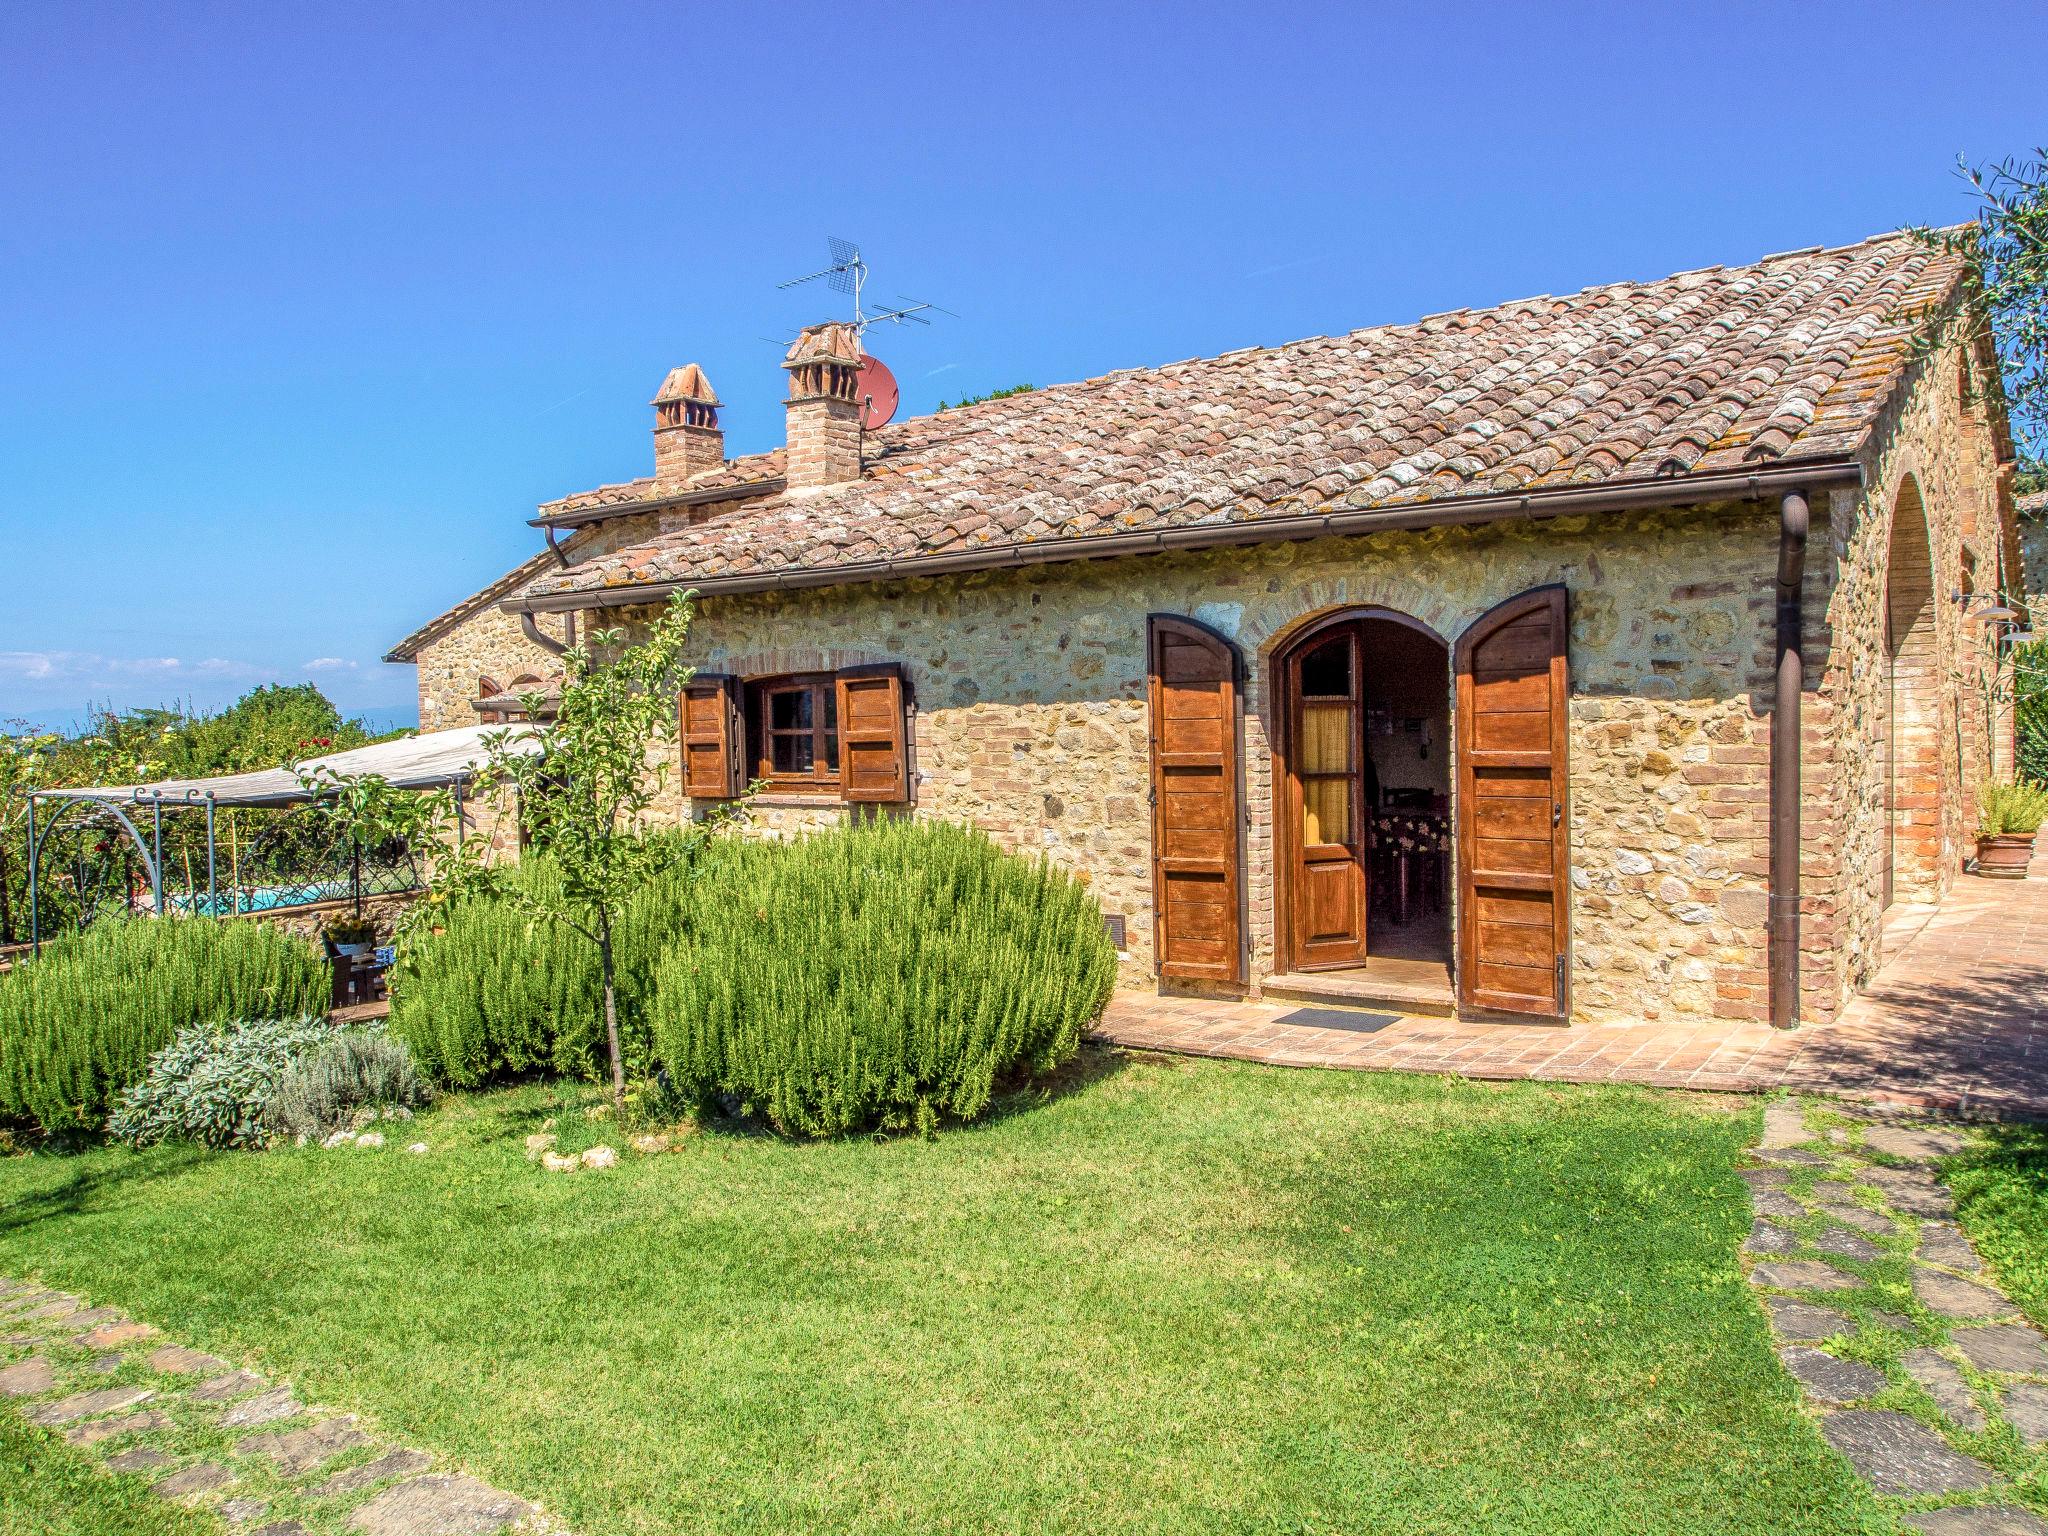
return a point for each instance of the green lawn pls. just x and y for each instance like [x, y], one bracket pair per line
[1179, 1296]
[2001, 1190]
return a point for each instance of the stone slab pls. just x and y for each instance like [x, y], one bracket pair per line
[141, 1458]
[1770, 1238]
[2026, 1404]
[1847, 1245]
[242, 1511]
[1802, 1275]
[98, 1317]
[1981, 1520]
[1765, 1178]
[299, 1451]
[1862, 1218]
[1775, 1202]
[362, 1479]
[93, 1431]
[1830, 1379]
[1894, 1454]
[1921, 1143]
[1953, 1296]
[2010, 1347]
[1833, 1194]
[1893, 1321]
[280, 1528]
[193, 1481]
[1941, 1243]
[1797, 1157]
[1939, 1377]
[105, 1365]
[177, 1360]
[225, 1388]
[263, 1408]
[439, 1504]
[83, 1405]
[1784, 1123]
[1802, 1321]
[28, 1378]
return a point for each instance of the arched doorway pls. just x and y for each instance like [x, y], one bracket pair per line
[1911, 738]
[1363, 791]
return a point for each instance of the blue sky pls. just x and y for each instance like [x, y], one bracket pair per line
[303, 308]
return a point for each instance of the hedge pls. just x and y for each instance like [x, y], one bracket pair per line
[79, 1024]
[884, 975]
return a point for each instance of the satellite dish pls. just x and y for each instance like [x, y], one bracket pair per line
[877, 392]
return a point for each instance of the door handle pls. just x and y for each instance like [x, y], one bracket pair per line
[1556, 813]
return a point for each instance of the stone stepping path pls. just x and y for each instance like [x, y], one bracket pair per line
[1926, 1402]
[203, 1432]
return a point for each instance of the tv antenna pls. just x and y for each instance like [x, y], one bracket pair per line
[849, 274]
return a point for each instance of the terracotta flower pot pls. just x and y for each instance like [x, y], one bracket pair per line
[2006, 856]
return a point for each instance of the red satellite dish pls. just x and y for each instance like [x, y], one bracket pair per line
[878, 394]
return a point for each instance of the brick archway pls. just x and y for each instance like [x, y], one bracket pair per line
[1912, 737]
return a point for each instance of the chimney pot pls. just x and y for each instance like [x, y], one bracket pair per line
[687, 438]
[824, 407]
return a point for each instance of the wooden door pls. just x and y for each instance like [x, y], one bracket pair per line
[1326, 802]
[1514, 921]
[1198, 934]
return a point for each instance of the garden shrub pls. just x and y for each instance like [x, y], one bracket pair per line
[241, 1085]
[80, 1024]
[488, 991]
[322, 1089]
[887, 975]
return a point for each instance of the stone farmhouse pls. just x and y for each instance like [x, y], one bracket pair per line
[1613, 655]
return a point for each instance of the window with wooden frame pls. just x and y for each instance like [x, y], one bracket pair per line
[834, 735]
[793, 729]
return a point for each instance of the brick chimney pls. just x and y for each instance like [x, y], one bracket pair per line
[687, 439]
[824, 408]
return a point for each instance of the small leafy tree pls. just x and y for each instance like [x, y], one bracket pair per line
[582, 799]
[2003, 305]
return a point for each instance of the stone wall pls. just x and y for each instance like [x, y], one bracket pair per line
[1898, 725]
[489, 643]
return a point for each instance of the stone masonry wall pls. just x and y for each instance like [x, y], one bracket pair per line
[1931, 459]
[489, 643]
[1031, 720]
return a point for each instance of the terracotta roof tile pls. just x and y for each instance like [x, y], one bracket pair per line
[1721, 369]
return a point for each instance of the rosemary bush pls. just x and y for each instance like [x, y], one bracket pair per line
[885, 975]
[2011, 809]
[323, 1088]
[80, 1024]
[490, 990]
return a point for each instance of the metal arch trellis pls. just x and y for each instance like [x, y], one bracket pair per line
[354, 877]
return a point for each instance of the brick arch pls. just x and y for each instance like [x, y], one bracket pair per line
[1912, 704]
[1266, 633]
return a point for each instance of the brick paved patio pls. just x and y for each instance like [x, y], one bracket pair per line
[1957, 1023]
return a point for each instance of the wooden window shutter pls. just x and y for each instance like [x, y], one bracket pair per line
[874, 734]
[711, 737]
[1198, 933]
[1514, 854]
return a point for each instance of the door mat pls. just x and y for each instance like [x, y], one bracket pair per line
[1353, 1019]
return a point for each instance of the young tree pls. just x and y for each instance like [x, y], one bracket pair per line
[583, 797]
[2004, 307]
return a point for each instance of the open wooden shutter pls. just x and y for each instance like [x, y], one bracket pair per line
[1514, 920]
[1198, 934]
[874, 734]
[712, 735]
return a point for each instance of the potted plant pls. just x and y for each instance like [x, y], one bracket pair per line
[2008, 816]
[352, 935]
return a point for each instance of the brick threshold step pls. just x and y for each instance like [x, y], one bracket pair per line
[1364, 989]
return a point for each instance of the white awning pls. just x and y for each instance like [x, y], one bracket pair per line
[411, 762]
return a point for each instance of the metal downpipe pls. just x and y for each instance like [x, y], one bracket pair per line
[1793, 518]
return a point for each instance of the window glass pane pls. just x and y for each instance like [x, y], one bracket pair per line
[1326, 737]
[831, 696]
[790, 754]
[1326, 811]
[1326, 670]
[790, 709]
